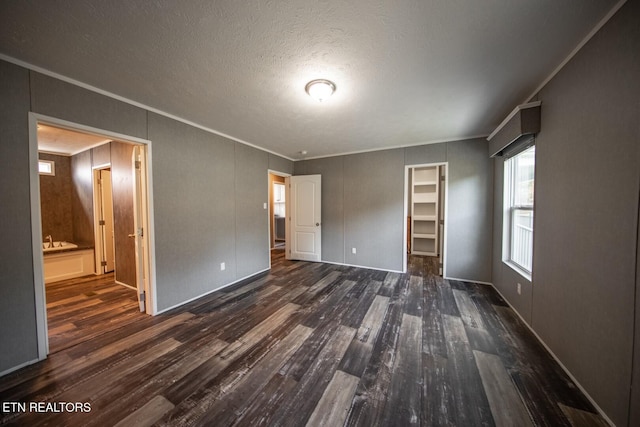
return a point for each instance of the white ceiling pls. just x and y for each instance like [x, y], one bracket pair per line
[65, 142]
[407, 71]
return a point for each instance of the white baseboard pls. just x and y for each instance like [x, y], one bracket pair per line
[20, 366]
[126, 286]
[361, 266]
[564, 368]
[469, 280]
[210, 292]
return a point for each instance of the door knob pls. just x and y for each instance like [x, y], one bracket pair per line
[317, 224]
[133, 235]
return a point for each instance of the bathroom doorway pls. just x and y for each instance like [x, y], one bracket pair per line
[93, 210]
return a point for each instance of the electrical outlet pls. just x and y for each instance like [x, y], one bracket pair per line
[222, 266]
[353, 250]
[519, 289]
[264, 206]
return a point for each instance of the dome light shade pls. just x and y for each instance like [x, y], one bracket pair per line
[320, 89]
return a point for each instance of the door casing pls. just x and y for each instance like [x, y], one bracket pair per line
[36, 222]
[443, 245]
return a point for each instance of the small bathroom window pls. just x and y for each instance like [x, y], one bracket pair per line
[47, 167]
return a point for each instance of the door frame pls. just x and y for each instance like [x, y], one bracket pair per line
[269, 213]
[139, 166]
[446, 213]
[36, 218]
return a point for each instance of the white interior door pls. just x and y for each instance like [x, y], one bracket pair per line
[106, 221]
[138, 234]
[304, 227]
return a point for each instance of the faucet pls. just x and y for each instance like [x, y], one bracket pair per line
[50, 239]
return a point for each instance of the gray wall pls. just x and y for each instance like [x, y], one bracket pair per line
[208, 193]
[194, 216]
[374, 208]
[583, 298]
[280, 164]
[17, 309]
[362, 206]
[504, 278]
[470, 211]
[634, 415]
[252, 215]
[55, 98]
[332, 171]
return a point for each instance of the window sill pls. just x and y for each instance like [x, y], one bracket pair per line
[526, 275]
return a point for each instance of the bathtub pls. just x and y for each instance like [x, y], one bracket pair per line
[66, 260]
[58, 246]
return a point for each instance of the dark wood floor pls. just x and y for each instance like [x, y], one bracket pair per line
[84, 308]
[312, 344]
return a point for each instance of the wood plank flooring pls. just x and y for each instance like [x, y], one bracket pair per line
[81, 309]
[307, 344]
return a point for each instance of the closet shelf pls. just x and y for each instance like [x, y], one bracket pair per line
[424, 217]
[423, 236]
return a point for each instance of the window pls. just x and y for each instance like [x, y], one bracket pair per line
[518, 210]
[46, 167]
[278, 199]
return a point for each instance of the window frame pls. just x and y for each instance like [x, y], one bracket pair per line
[510, 211]
[279, 199]
[52, 167]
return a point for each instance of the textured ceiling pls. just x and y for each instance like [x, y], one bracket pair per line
[407, 72]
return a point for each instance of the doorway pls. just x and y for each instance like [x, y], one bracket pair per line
[105, 248]
[277, 211]
[425, 213]
[107, 208]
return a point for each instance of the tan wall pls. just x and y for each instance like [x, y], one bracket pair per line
[82, 198]
[55, 199]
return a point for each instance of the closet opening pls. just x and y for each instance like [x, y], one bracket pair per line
[425, 207]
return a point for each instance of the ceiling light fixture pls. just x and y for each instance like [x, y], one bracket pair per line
[320, 89]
